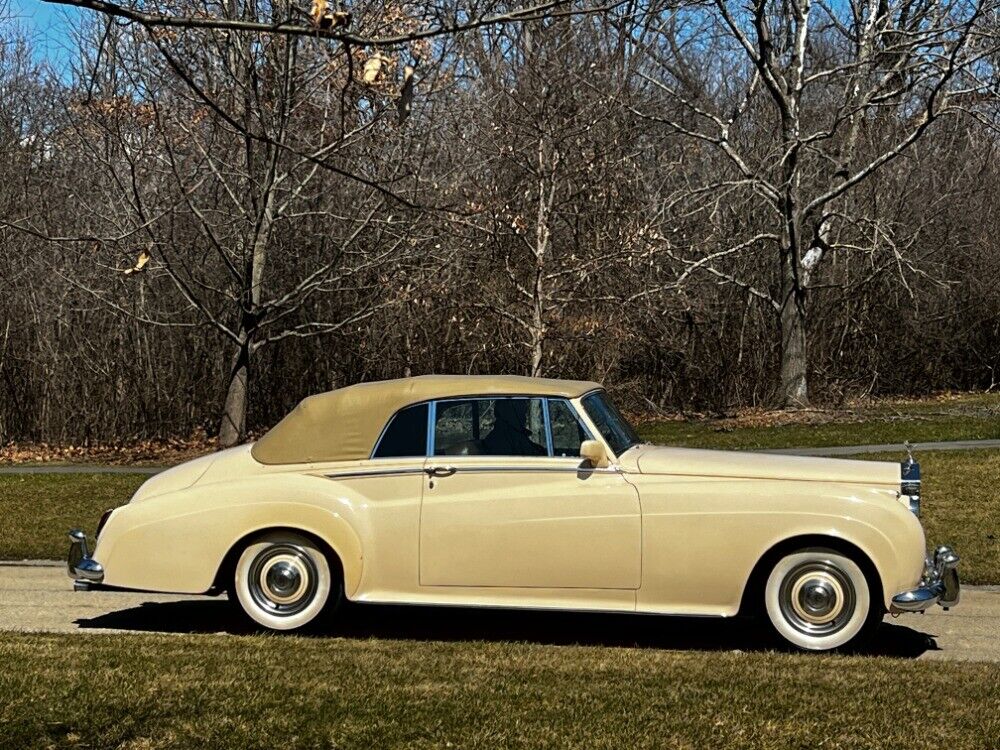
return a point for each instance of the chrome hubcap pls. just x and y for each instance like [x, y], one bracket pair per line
[817, 598]
[283, 579]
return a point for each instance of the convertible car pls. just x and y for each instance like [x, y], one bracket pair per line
[521, 492]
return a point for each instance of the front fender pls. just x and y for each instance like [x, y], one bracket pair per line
[176, 542]
[703, 536]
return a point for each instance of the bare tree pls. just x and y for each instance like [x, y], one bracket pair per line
[225, 207]
[805, 101]
[555, 178]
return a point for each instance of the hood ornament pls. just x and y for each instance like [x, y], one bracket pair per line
[908, 447]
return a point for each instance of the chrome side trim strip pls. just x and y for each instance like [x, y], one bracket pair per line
[374, 473]
[363, 473]
[523, 469]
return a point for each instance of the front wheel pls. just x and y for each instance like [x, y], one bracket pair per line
[819, 600]
[283, 581]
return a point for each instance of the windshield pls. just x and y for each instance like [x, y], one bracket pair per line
[619, 434]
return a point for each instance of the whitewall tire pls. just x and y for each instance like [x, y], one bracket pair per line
[819, 600]
[283, 581]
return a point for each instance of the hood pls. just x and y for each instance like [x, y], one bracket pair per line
[653, 459]
[222, 464]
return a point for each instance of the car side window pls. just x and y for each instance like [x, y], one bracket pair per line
[567, 431]
[490, 427]
[406, 435]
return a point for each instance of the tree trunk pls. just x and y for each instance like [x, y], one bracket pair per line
[548, 161]
[794, 353]
[232, 431]
[537, 351]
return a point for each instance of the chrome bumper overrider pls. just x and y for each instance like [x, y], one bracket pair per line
[83, 569]
[939, 584]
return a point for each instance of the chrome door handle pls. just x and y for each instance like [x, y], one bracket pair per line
[440, 471]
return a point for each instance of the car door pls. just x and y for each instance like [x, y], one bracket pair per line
[529, 518]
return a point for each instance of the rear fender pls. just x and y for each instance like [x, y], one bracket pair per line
[177, 542]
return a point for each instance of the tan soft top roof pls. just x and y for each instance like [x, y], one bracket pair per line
[343, 425]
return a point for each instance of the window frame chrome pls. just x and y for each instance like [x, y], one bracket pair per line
[548, 428]
[429, 443]
[581, 422]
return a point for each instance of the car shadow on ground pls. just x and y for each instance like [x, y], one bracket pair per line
[420, 623]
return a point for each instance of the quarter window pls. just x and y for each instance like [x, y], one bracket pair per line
[406, 435]
[490, 427]
[567, 432]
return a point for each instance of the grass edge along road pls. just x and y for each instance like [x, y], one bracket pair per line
[217, 691]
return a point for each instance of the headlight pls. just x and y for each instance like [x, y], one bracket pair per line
[910, 484]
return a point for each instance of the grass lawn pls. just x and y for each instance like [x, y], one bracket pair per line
[961, 507]
[217, 691]
[706, 435]
[964, 417]
[36, 510]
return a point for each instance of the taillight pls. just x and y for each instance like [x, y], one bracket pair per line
[104, 520]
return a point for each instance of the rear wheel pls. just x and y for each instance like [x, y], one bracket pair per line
[284, 581]
[819, 599]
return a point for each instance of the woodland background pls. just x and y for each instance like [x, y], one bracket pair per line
[704, 205]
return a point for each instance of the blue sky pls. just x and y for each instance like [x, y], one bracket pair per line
[47, 26]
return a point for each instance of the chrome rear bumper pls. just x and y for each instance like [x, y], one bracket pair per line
[939, 585]
[82, 568]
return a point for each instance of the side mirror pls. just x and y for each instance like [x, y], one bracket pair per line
[594, 453]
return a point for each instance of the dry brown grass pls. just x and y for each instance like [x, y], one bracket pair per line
[209, 691]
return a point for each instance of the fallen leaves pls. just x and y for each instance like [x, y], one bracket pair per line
[158, 452]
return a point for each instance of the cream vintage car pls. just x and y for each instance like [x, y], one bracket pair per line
[521, 492]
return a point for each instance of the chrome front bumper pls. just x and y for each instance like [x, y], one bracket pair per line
[83, 569]
[938, 585]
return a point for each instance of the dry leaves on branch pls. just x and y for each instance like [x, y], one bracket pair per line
[374, 67]
[324, 18]
[140, 263]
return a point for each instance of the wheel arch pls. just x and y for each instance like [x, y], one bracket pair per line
[752, 597]
[227, 567]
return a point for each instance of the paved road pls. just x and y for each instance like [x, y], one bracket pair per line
[39, 597]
